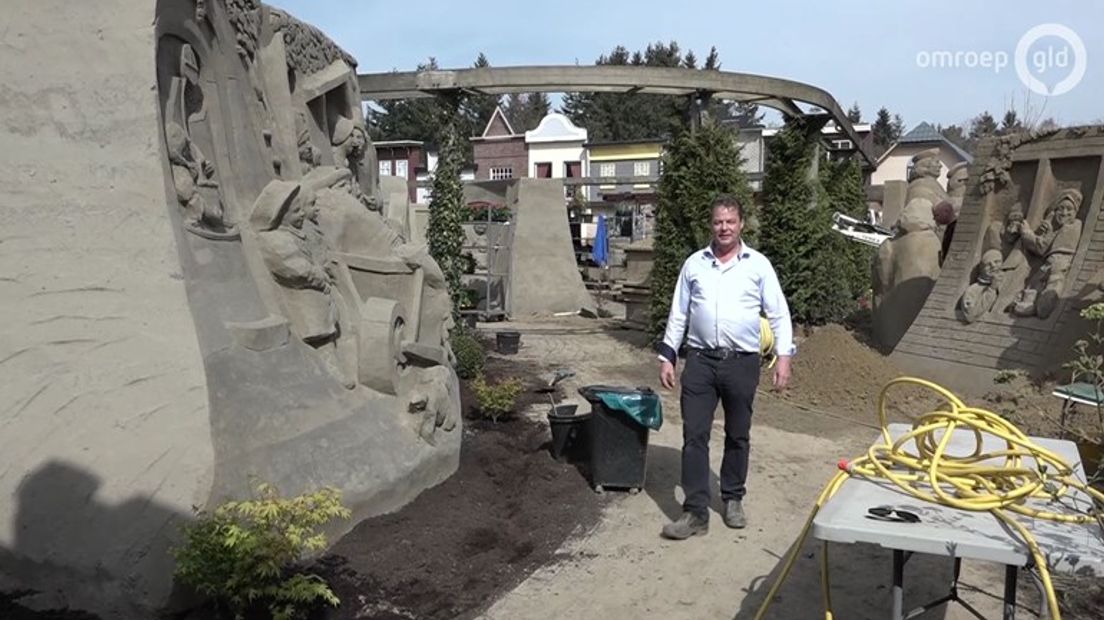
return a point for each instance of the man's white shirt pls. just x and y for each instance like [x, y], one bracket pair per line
[721, 303]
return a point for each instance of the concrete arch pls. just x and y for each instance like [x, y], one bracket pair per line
[777, 93]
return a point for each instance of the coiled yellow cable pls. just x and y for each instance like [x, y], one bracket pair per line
[980, 487]
[766, 343]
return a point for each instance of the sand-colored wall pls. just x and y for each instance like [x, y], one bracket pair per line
[103, 406]
[148, 364]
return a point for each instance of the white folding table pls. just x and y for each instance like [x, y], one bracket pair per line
[962, 534]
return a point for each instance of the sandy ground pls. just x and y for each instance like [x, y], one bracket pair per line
[623, 569]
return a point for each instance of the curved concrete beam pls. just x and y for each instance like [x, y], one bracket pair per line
[780, 94]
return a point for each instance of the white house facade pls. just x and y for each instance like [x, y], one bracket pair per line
[556, 148]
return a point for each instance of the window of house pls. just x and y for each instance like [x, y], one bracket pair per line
[607, 170]
[642, 168]
[384, 167]
[502, 172]
[401, 168]
[842, 144]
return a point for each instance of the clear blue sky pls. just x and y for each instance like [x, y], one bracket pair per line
[859, 50]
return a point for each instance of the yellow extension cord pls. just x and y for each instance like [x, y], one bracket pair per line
[997, 489]
[766, 343]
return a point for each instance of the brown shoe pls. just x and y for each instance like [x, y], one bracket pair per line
[688, 525]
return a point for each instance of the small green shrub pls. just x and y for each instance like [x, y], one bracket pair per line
[244, 553]
[496, 399]
[469, 353]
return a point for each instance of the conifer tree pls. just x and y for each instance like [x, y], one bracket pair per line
[818, 270]
[697, 167]
[445, 233]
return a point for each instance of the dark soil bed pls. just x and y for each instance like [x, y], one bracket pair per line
[462, 544]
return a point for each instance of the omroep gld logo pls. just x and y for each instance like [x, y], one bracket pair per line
[1061, 63]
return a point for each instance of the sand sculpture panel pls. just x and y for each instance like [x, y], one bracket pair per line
[199, 287]
[1026, 257]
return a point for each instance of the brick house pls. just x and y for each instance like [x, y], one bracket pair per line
[500, 153]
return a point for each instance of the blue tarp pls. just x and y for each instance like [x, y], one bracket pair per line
[601, 242]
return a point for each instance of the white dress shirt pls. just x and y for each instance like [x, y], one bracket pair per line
[721, 302]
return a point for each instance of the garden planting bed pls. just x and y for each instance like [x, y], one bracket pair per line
[457, 547]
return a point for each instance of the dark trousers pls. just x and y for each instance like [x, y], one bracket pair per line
[706, 380]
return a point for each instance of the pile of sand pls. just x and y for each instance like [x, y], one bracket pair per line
[835, 371]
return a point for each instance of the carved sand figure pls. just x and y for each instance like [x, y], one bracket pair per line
[309, 155]
[1055, 241]
[914, 252]
[295, 256]
[905, 269]
[956, 186]
[191, 171]
[351, 228]
[924, 178]
[980, 296]
[350, 147]
[1005, 237]
[433, 401]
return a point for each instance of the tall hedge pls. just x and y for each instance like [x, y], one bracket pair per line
[821, 271]
[445, 233]
[697, 167]
[843, 182]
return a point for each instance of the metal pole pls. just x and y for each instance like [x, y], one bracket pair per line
[898, 585]
[1010, 573]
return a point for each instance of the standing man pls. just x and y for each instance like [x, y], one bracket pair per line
[720, 293]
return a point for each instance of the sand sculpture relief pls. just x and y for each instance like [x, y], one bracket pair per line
[1035, 262]
[1027, 256]
[373, 308]
[1055, 242]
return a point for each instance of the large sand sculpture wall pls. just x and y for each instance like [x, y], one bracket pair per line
[546, 278]
[535, 250]
[1032, 175]
[196, 287]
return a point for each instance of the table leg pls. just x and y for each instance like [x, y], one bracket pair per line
[898, 585]
[1010, 573]
[1067, 406]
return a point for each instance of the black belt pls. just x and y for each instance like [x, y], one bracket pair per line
[722, 353]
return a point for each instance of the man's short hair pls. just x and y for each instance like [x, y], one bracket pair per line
[728, 201]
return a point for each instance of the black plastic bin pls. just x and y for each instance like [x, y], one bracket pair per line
[618, 444]
[507, 343]
[568, 432]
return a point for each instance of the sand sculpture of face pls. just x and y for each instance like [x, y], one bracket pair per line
[926, 164]
[990, 265]
[956, 180]
[1065, 212]
[306, 150]
[1013, 221]
[357, 142]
